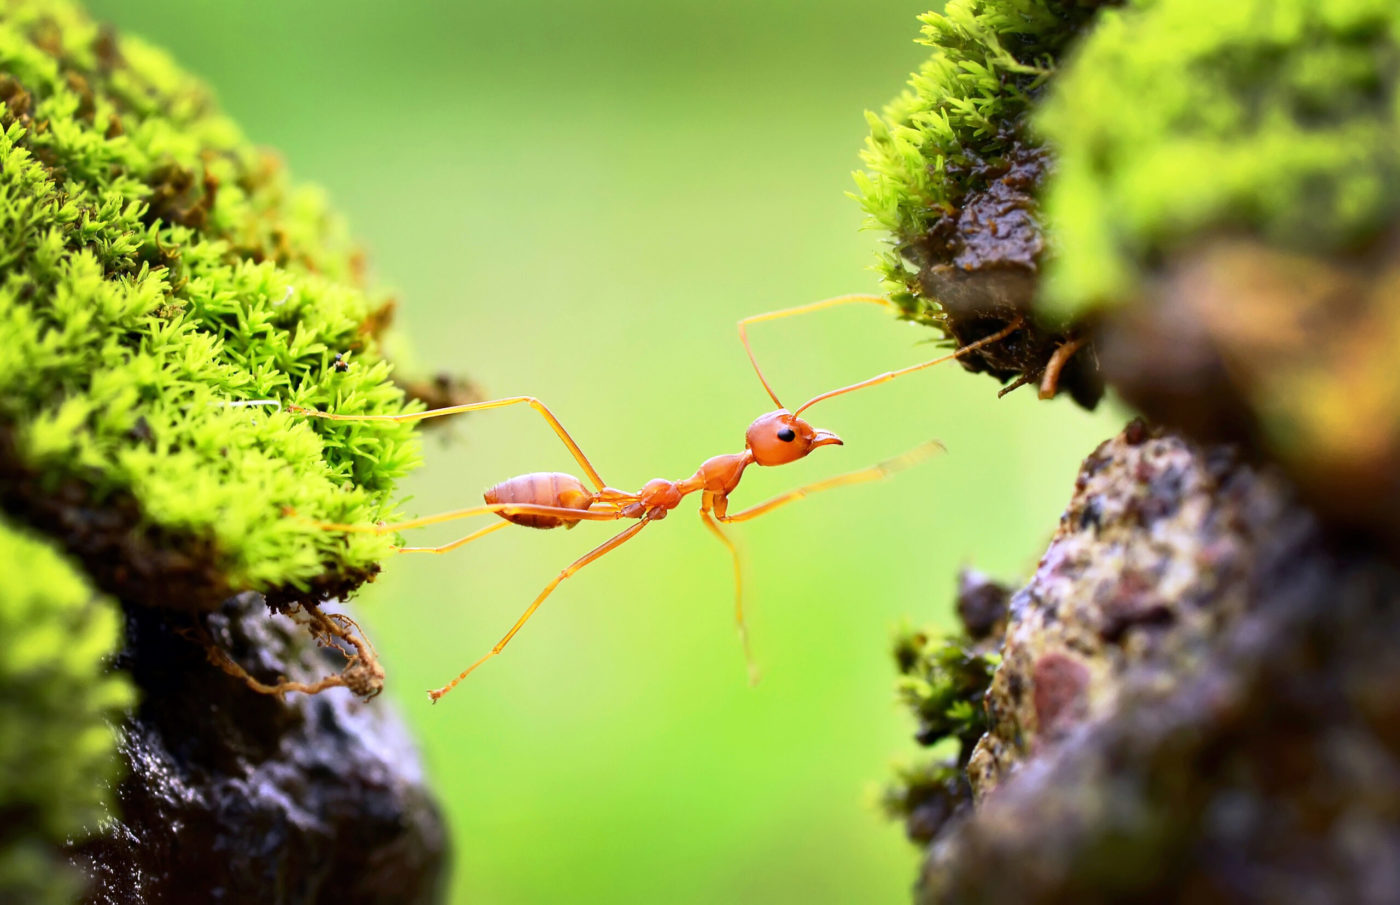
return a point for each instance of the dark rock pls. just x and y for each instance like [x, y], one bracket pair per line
[981, 263]
[982, 605]
[237, 797]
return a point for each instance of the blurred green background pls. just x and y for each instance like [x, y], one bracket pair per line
[578, 201]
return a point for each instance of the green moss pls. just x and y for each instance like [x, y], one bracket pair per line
[942, 680]
[964, 107]
[153, 268]
[932, 785]
[56, 745]
[1182, 118]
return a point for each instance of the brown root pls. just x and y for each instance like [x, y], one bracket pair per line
[363, 674]
[1050, 382]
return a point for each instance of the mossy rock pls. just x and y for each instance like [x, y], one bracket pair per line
[953, 172]
[943, 680]
[1225, 207]
[157, 273]
[1217, 208]
[1179, 120]
[965, 108]
[1195, 203]
[1051, 159]
[157, 270]
[1193, 703]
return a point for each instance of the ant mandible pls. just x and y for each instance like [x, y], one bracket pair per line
[552, 499]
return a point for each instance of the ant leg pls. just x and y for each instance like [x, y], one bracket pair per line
[718, 532]
[616, 541]
[460, 542]
[800, 309]
[472, 407]
[588, 515]
[873, 473]
[1001, 334]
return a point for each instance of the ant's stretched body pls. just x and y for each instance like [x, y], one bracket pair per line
[554, 499]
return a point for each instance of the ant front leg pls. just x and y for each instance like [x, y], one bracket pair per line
[1050, 382]
[717, 503]
[873, 473]
[531, 401]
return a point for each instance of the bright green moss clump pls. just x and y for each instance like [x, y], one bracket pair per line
[153, 268]
[1182, 118]
[56, 748]
[964, 107]
[943, 679]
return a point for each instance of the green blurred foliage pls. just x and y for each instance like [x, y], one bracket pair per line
[578, 201]
[1276, 119]
[57, 751]
[942, 680]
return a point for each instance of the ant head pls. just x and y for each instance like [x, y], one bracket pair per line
[781, 437]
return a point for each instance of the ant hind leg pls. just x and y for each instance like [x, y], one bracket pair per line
[607, 546]
[604, 514]
[459, 542]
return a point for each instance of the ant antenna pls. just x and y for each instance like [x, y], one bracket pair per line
[1001, 334]
[803, 309]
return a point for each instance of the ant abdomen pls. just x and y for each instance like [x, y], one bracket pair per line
[541, 488]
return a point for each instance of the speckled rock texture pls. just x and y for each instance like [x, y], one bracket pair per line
[1196, 702]
[238, 797]
[1150, 562]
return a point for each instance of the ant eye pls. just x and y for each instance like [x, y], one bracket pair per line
[786, 435]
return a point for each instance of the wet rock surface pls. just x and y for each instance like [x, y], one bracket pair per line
[1196, 702]
[236, 797]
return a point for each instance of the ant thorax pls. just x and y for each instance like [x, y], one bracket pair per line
[719, 474]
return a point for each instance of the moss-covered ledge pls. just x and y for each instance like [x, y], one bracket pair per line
[157, 267]
[1199, 205]
[157, 273]
[953, 173]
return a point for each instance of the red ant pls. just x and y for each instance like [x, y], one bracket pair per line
[552, 499]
